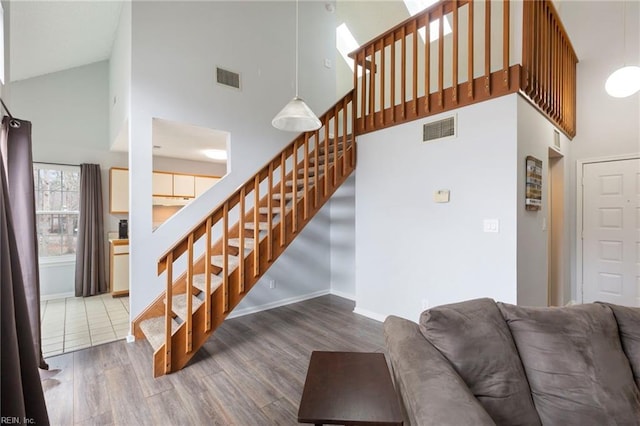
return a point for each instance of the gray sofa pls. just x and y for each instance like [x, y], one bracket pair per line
[483, 363]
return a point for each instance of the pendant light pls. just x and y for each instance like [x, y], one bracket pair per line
[296, 116]
[624, 81]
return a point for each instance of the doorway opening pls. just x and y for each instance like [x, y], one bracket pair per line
[555, 219]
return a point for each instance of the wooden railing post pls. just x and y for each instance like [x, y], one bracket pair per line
[168, 314]
[189, 294]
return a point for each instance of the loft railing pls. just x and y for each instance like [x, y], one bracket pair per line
[399, 77]
[549, 65]
[260, 218]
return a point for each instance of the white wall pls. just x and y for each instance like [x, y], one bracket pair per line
[120, 75]
[343, 236]
[175, 49]
[606, 126]
[69, 111]
[535, 136]
[409, 248]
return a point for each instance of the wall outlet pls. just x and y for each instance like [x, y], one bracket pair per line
[272, 283]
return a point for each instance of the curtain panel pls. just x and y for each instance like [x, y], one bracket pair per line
[22, 395]
[90, 259]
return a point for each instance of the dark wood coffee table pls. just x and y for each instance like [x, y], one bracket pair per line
[349, 388]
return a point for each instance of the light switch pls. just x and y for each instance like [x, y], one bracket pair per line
[491, 225]
[441, 196]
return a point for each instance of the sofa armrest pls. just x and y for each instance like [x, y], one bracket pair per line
[430, 389]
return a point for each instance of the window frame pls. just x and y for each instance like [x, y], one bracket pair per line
[61, 258]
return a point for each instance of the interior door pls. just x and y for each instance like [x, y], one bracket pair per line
[611, 232]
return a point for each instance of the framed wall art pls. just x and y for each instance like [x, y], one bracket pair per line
[533, 189]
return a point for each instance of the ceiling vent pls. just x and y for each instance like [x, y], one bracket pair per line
[444, 128]
[228, 78]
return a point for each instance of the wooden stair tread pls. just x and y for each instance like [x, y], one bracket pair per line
[199, 282]
[274, 210]
[300, 181]
[248, 242]
[287, 196]
[218, 260]
[153, 329]
[179, 304]
[262, 226]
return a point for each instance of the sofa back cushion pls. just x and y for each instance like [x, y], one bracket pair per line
[628, 320]
[577, 370]
[475, 339]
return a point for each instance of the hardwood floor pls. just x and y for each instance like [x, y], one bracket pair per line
[250, 372]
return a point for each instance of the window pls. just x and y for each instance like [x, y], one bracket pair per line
[416, 6]
[57, 194]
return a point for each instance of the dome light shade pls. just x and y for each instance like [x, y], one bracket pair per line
[623, 82]
[296, 116]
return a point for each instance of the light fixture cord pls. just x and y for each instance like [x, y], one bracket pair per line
[296, 48]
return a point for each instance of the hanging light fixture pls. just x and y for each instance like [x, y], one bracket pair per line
[296, 116]
[624, 81]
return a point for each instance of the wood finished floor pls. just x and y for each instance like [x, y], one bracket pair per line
[250, 372]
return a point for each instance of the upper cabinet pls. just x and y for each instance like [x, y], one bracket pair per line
[165, 184]
[202, 183]
[162, 184]
[183, 185]
[118, 190]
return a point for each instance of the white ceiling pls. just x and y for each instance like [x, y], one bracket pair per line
[180, 140]
[51, 35]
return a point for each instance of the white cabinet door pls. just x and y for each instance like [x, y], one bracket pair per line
[163, 184]
[611, 232]
[118, 190]
[202, 183]
[183, 185]
[119, 269]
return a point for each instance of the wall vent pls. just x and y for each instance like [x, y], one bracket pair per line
[228, 78]
[439, 129]
[556, 139]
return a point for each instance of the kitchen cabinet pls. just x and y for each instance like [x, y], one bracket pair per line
[202, 183]
[183, 185]
[118, 190]
[162, 184]
[119, 265]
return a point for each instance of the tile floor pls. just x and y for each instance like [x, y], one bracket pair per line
[80, 322]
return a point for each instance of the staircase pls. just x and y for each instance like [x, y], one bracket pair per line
[217, 263]
[231, 248]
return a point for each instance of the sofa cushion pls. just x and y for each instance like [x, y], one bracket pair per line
[431, 392]
[475, 339]
[628, 320]
[575, 365]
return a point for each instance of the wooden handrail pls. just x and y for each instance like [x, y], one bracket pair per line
[391, 92]
[181, 246]
[299, 163]
[549, 65]
[412, 96]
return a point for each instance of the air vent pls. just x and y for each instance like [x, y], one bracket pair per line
[228, 78]
[439, 129]
[556, 139]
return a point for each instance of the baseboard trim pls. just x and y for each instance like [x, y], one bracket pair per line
[369, 314]
[276, 304]
[343, 294]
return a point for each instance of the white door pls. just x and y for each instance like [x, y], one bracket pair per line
[611, 232]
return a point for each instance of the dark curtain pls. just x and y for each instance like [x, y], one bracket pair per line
[22, 395]
[90, 264]
[15, 144]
